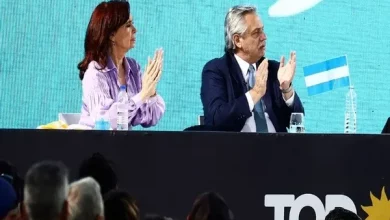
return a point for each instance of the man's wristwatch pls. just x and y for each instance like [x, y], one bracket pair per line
[288, 89]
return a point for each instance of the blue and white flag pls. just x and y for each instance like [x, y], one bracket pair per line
[328, 75]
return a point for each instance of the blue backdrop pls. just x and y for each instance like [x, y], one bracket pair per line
[41, 43]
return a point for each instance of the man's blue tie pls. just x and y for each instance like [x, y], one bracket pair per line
[258, 112]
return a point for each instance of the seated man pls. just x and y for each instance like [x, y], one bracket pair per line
[45, 192]
[244, 91]
[10, 173]
[8, 201]
[386, 128]
[85, 200]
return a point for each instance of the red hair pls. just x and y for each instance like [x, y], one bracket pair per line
[105, 20]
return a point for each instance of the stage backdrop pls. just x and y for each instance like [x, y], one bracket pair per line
[41, 43]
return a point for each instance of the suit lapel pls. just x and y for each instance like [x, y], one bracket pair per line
[235, 71]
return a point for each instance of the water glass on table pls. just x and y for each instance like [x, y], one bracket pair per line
[102, 121]
[297, 123]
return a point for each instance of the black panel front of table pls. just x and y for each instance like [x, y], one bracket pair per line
[166, 170]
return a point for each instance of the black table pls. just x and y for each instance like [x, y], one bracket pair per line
[257, 174]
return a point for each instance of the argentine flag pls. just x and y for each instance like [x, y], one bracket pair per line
[328, 75]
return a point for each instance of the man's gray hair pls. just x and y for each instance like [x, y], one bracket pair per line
[235, 24]
[86, 203]
[46, 190]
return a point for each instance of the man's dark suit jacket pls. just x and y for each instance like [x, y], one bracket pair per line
[386, 128]
[225, 105]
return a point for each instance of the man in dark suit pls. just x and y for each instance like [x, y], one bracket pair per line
[242, 90]
[386, 128]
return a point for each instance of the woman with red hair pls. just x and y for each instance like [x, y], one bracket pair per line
[105, 68]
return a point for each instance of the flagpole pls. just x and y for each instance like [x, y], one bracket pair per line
[351, 88]
[349, 75]
[350, 81]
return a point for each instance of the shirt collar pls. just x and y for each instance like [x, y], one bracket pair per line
[111, 66]
[112, 70]
[244, 66]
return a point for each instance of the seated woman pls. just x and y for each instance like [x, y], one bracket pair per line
[119, 205]
[110, 35]
[210, 206]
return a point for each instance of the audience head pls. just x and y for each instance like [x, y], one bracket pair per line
[8, 200]
[119, 205]
[10, 173]
[341, 214]
[110, 28]
[156, 217]
[244, 33]
[210, 206]
[100, 169]
[46, 191]
[85, 200]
